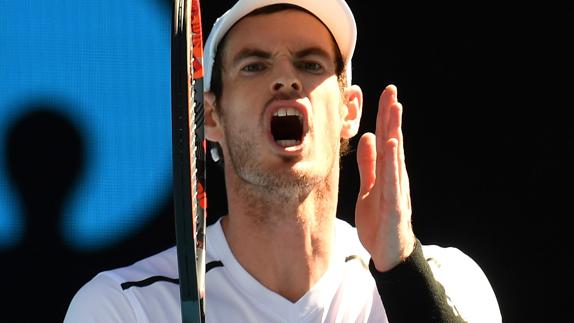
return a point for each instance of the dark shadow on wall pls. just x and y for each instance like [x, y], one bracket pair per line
[46, 155]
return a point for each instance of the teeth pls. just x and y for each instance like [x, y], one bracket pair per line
[283, 112]
[288, 143]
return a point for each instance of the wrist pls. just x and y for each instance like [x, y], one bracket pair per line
[390, 260]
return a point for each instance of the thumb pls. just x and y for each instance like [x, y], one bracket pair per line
[366, 160]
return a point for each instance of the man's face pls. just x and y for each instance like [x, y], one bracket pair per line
[281, 105]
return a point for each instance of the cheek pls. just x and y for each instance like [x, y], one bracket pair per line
[328, 94]
[332, 114]
[239, 104]
[238, 124]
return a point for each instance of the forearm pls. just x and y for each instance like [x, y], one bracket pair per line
[410, 293]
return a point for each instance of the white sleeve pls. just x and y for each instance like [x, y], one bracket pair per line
[101, 300]
[465, 284]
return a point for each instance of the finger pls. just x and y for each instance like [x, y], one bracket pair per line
[366, 161]
[395, 125]
[385, 101]
[391, 189]
[395, 121]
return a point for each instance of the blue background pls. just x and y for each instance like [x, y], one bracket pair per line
[105, 66]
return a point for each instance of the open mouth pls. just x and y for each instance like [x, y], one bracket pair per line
[287, 127]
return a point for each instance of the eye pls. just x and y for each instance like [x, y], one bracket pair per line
[253, 67]
[311, 66]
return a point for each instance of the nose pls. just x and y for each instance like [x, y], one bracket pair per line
[286, 79]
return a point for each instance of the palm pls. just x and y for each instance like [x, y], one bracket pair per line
[383, 210]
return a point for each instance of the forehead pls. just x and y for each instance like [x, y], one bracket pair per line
[289, 29]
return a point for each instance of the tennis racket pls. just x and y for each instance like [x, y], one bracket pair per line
[188, 152]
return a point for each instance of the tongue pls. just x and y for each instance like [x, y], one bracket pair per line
[288, 143]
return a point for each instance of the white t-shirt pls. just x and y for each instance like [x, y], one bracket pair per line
[147, 291]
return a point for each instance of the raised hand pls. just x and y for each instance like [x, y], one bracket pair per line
[383, 210]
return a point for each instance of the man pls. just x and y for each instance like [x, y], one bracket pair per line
[281, 107]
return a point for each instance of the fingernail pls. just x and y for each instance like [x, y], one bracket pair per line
[393, 90]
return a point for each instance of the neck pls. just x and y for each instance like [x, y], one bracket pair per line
[283, 240]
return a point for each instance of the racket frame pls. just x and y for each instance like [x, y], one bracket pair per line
[188, 156]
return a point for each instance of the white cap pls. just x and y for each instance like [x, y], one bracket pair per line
[335, 14]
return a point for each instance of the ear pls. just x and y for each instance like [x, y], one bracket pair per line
[354, 106]
[213, 130]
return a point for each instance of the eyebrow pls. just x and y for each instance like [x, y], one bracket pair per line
[249, 52]
[258, 53]
[313, 51]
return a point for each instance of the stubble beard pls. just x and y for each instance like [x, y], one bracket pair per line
[263, 185]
